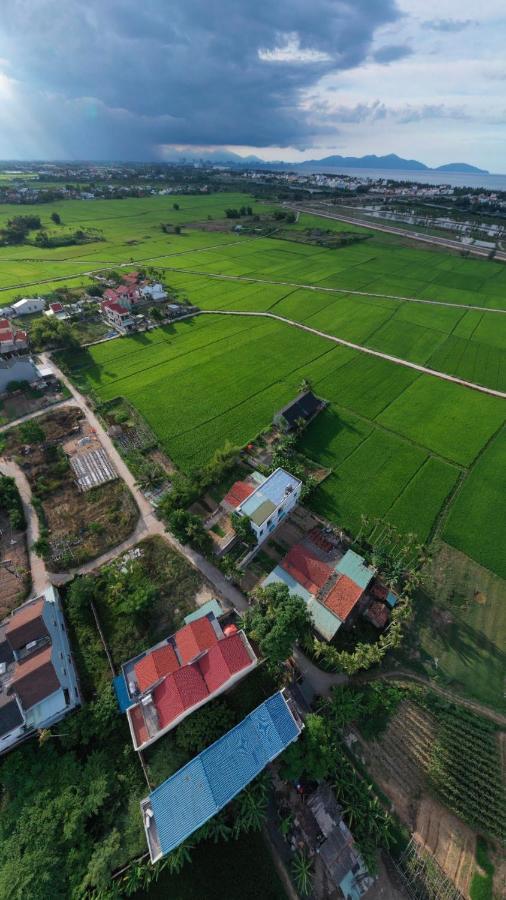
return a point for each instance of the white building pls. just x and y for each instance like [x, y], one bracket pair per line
[37, 676]
[154, 292]
[270, 502]
[28, 307]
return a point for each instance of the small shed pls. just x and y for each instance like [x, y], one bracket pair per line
[305, 407]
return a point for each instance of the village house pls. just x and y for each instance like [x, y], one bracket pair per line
[198, 791]
[38, 681]
[267, 504]
[334, 589]
[153, 293]
[118, 316]
[12, 341]
[30, 306]
[160, 687]
[57, 310]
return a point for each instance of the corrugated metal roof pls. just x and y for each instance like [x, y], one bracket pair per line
[212, 606]
[279, 576]
[325, 622]
[122, 696]
[354, 567]
[207, 783]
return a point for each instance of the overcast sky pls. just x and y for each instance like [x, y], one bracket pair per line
[284, 79]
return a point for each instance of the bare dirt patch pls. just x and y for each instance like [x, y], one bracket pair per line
[78, 526]
[14, 567]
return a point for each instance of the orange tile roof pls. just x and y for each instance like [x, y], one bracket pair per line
[194, 638]
[307, 569]
[343, 597]
[238, 493]
[153, 666]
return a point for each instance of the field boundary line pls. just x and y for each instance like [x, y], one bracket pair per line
[329, 290]
[397, 360]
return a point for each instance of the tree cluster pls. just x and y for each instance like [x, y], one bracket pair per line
[232, 213]
[10, 503]
[17, 228]
[49, 332]
[276, 621]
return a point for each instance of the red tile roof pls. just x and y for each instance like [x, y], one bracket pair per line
[56, 307]
[343, 597]
[34, 678]
[223, 660]
[21, 336]
[116, 307]
[139, 725]
[238, 493]
[6, 336]
[194, 638]
[4, 323]
[160, 662]
[307, 569]
[179, 692]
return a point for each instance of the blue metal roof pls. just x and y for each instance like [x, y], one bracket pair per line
[279, 576]
[392, 599]
[212, 606]
[120, 689]
[354, 566]
[207, 783]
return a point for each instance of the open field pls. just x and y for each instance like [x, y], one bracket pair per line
[209, 380]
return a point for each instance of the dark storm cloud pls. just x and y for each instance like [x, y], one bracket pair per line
[185, 72]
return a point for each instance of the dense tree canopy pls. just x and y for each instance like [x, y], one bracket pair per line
[276, 621]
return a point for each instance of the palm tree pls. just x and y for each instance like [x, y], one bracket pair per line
[251, 810]
[302, 873]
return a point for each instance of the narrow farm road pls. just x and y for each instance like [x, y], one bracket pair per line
[403, 232]
[248, 279]
[37, 564]
[37, 414]
[360, 347]
[148, 523]
[405, 675]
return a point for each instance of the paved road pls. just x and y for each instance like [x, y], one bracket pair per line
[37, 564]
[404, 232]
[321, 682]
[360, 347]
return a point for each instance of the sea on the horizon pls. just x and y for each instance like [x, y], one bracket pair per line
[455, 179]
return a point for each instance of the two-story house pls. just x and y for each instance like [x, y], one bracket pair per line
[38, 680]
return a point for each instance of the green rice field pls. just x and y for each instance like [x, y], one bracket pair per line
[401, 444]
[384, 435]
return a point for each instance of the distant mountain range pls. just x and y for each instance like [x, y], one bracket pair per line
[391, 161]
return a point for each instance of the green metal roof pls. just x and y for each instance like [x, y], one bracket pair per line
[262, 512]
[212, 606]
[325, 622]
[354, 566]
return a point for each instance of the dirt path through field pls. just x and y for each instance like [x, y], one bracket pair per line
[397, 360]
[37, 564]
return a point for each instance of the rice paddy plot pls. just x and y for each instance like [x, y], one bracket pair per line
[366, 385]
[477, 520]
[426, 493]
[369, 480]
[452, 421]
